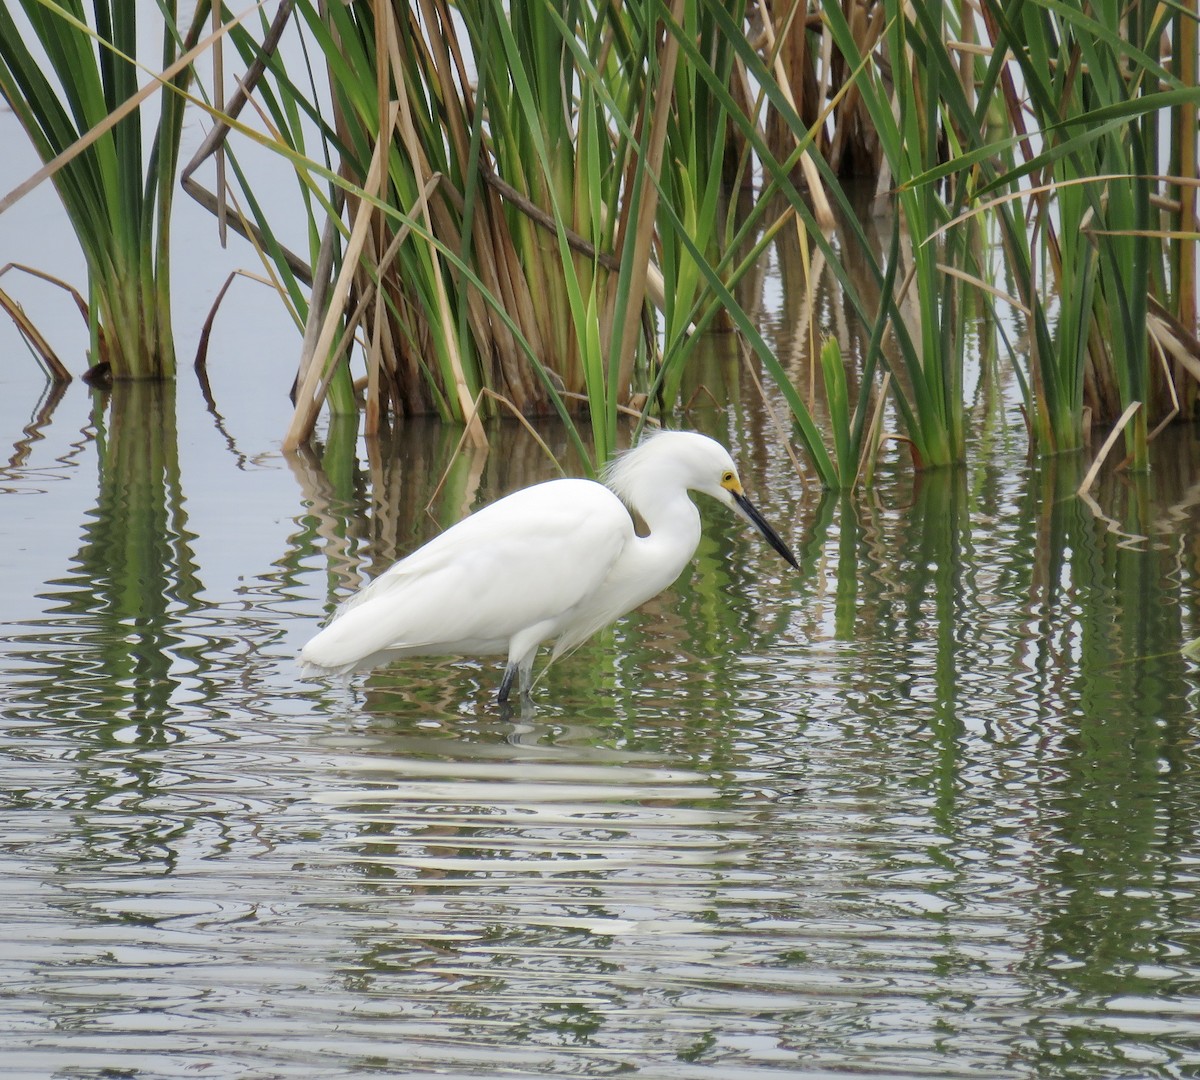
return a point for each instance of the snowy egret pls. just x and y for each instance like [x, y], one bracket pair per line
[556, 561]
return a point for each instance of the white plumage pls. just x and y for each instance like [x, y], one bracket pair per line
[553, 562]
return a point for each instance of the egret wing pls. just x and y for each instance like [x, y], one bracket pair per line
[522, 561]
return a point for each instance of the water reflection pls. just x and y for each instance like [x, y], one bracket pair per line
[928, 808]
[132, 572]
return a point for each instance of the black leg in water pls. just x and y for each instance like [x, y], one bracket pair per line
[510, 673]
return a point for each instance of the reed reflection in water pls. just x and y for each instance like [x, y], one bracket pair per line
[928, 809]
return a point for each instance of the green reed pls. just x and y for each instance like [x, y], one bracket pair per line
[66, 77]
[525, 209]
[1072, 193]
[523, 224]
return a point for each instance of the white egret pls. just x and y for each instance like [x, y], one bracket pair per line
[553, 562]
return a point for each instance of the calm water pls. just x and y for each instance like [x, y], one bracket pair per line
[928, 809]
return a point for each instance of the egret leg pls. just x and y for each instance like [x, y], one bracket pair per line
[525, 670]
[522, 651]
[510, 673]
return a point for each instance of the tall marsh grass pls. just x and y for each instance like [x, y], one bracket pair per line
[72, 84]
[542, 208]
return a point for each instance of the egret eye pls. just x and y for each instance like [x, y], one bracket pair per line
[727, 478]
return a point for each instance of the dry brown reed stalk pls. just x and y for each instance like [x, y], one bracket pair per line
[403, 329]
[214, 144]
[41, 346]
[793, 69]
[160, 80]
[854, 149]
[408, 135]
[1106, 447]
[200, 362]
[313, 386]
[644, 225]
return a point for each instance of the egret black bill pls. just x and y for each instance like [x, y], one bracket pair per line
[759, 522]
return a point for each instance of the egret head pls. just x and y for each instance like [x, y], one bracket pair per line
[692, 461]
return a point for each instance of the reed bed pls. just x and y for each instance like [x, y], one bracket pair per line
[74, 86]
[542, 209]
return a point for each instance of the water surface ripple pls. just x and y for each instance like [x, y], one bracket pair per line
[928, 809]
